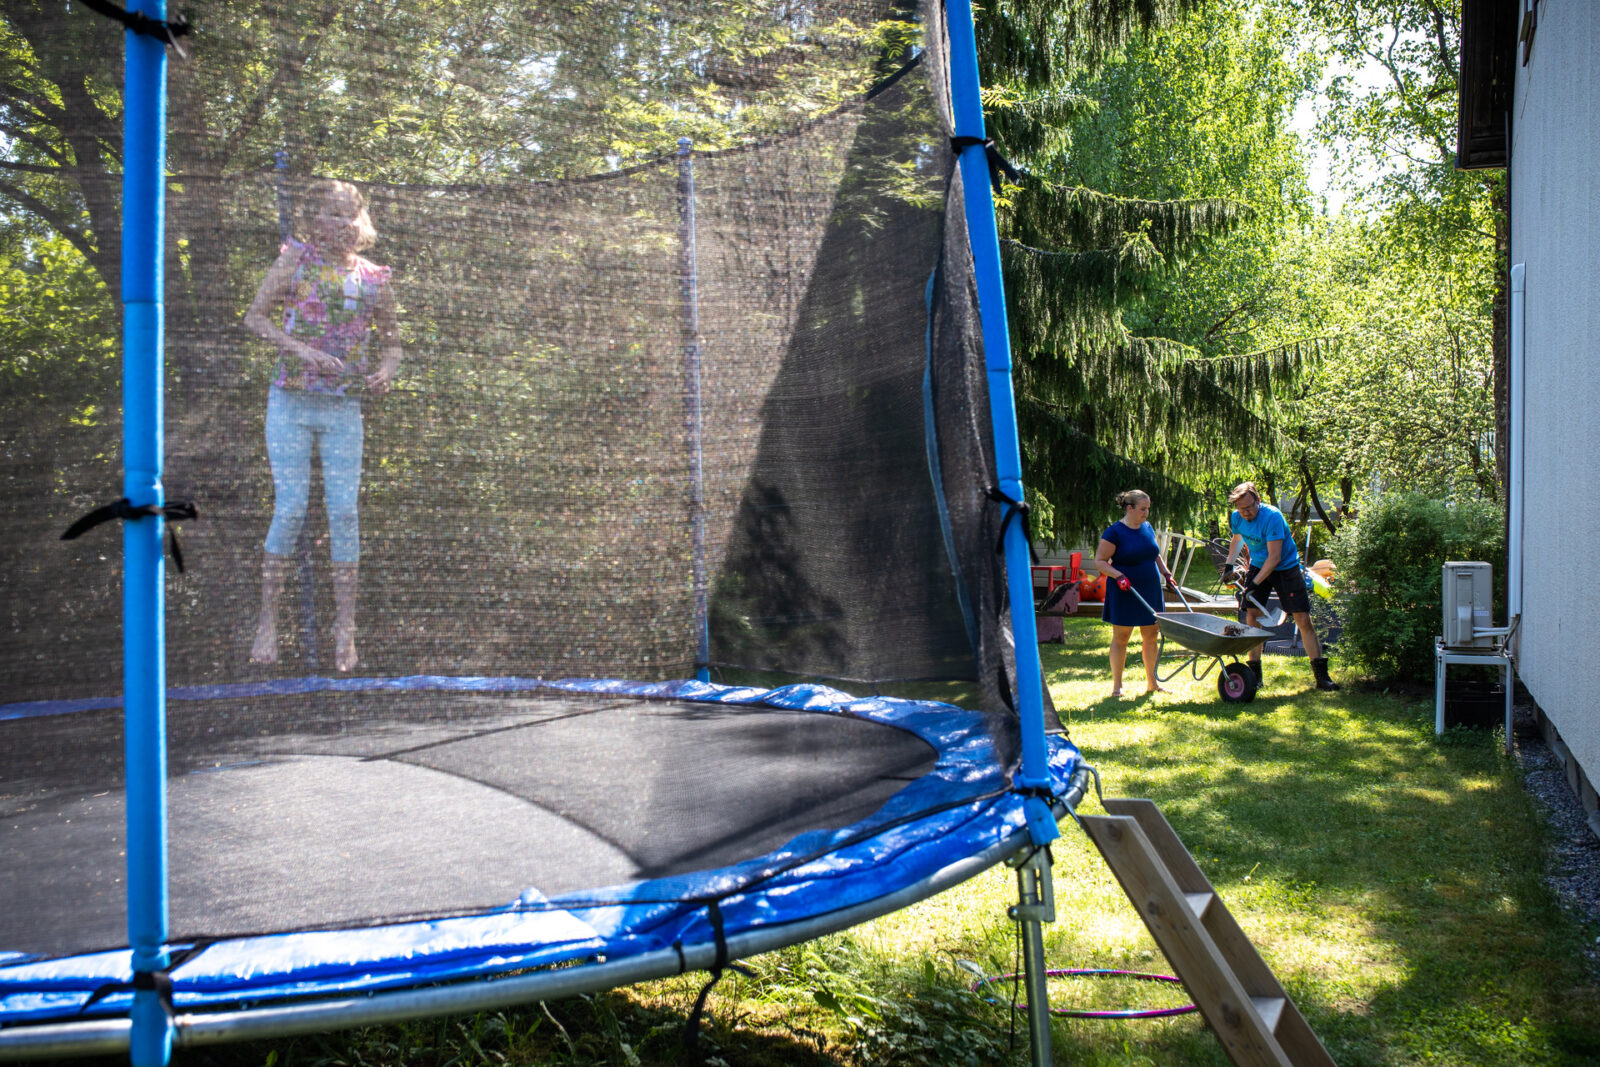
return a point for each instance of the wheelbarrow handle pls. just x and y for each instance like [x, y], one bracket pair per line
[1181, 598]
[1127, 587]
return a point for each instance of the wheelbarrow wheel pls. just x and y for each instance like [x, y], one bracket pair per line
[1237, 684]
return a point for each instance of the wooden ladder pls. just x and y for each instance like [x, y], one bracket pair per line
[1241, 1000]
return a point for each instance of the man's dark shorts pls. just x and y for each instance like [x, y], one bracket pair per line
[1290, 585]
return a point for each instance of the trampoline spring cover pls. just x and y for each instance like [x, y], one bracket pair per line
[958, 809]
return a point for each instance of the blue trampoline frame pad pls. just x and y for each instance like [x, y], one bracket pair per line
[966, 807]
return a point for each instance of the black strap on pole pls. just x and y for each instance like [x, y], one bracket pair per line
[998, 164]
[691, 1028]
[165, 30]
[158, 980]
[124, 509]
[1014, 508]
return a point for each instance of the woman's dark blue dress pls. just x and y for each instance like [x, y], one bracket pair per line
[1135, 556]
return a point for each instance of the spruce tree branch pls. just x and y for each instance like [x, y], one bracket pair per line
[1054, 405]
[1267, 429]
[1312, 342]
[1113, 257]
[1155, 352]
[1093, 253]
[1047, 213]
[1107, 199]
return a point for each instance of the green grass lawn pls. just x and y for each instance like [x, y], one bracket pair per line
[1391, 879]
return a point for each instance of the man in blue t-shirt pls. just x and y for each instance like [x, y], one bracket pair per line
[1274, 567]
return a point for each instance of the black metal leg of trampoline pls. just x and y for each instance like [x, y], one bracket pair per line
[1036, 905]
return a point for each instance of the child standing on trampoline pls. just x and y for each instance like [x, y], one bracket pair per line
[1128, 549]
[321, 304]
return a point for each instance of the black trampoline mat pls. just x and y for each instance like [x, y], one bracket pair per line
[309, 812]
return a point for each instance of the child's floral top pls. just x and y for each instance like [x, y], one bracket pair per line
[331, 310]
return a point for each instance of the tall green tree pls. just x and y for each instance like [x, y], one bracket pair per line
[1430, 233]
[1121, 385]
[1140, 250]
[428, 91]
[1406, 400]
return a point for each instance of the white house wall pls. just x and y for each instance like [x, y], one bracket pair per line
[1555, 197]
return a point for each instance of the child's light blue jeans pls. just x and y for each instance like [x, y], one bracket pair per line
[297, 420]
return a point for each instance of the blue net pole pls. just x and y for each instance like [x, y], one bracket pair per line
[143, 600]
[967, 106]
[691, 405]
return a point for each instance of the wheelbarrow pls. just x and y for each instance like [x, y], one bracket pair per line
[1208, 638]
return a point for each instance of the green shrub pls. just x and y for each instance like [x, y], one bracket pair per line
[1389, 564]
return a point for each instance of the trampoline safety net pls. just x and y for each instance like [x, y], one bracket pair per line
[578, 400]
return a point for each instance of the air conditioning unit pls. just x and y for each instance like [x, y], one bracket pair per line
[1468, 595]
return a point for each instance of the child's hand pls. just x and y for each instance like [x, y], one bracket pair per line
[320, 361]
[381, 380]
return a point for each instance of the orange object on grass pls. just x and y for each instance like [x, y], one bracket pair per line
[1092, 587]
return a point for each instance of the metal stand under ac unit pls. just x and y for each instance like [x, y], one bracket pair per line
[1467, 598]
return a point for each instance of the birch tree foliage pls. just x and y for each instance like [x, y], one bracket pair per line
[1387, 113]
[1417, 277]
[1406, 400]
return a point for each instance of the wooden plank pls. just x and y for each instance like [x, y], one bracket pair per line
[1293, 1032]
[1255, 977]
[1271, 1009]
[1173, 852]
[1236, 948]
[1199, 902]
[1299, 1041]
[1223, 1002]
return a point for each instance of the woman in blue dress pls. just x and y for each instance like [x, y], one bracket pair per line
[1128, 549]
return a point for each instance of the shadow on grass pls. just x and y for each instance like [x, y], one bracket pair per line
[1418, 856]
[599, 1030]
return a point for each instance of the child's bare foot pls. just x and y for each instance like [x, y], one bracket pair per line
[1117, 691]
[1156, 687]
[265, 649]
[344, 646]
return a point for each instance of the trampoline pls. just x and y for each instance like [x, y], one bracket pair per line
[624, 590]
